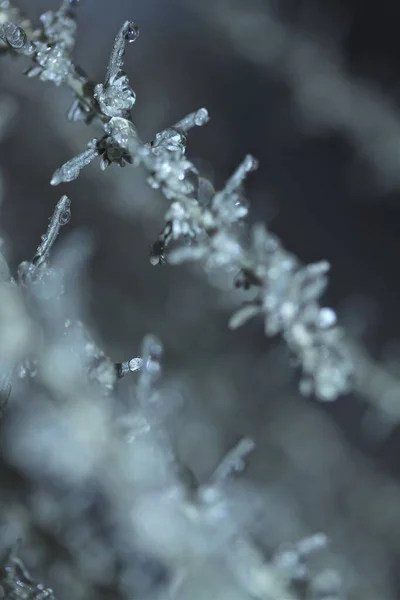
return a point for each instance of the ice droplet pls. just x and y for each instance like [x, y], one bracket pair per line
[15, 35]
[132, 32]
[201, 117]
[251, 163]
[151, 356]
[65, 217]
[135, 364]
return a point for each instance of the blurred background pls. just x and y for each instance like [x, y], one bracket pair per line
[312, 89]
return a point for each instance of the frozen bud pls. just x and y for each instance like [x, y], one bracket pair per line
[116, 99]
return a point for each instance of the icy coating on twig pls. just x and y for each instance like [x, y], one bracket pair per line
[206, 225]
[89, 454]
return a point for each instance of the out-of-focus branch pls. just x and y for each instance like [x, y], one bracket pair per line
[377, 386]
[6, 370]
[325, 93]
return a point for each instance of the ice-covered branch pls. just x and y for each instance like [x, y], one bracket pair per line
[61, 216]
[287, 293]
[234, 461]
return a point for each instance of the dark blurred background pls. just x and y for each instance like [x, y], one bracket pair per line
[312, 89]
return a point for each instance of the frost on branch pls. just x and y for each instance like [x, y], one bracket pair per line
[59, 27]
[39, 263]
[288, 298]
[116, 97]
[54, 41]
[50, 46]
[114, 100]
[170, 170]
[206, 225]
[287, 293]
[229, 205]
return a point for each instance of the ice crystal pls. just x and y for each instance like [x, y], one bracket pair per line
[17, 583]
[15, 37]
[117, 99]
[130, 366]
[114, 146]
[50, 46]
[53, 63]
[59, 27]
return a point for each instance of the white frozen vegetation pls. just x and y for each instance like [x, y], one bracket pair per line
[69, 435]
[76, 439]
[206, 226]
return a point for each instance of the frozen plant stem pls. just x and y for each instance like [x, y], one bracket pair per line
[208, 227]
[37, 273]
[61, 216]
[233, 462]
